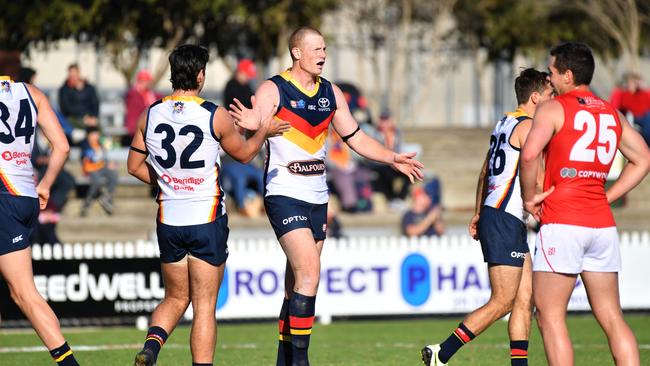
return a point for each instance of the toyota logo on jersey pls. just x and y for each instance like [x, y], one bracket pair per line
[323, 102]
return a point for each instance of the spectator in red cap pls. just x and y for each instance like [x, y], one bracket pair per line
[239, 85]
[137, 100]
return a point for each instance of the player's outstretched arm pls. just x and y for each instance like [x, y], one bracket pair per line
[548, 117]
[635, 150]
[368, 147]
[481, 190]
[53, 131]
[137, 161]
[241, 149]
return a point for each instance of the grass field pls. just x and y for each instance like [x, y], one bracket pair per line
[385, 342]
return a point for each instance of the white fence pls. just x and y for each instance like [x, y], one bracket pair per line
[359, 276]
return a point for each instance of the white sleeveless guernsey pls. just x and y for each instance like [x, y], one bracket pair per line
[18, 116]
[503, 190]
[184, 151]
[295, 161]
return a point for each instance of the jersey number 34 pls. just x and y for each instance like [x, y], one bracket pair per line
[24, 123]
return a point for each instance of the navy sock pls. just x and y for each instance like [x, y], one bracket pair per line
[63, 356]
[457, 339]
[201, 364]
[156, 337]
[284, 344]
[301, 320]
[519, 353]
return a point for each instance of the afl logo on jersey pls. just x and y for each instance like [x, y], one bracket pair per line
[299, 104]
[307, 167]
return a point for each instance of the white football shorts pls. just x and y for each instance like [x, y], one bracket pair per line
[573, 249]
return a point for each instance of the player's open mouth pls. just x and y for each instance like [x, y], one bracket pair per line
[321, 63]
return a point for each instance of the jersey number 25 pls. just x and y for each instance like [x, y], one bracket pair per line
[585, 121]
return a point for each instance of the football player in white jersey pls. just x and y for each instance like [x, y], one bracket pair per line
[177, 147]
[21, 105]
[499, 223]
[296, 192]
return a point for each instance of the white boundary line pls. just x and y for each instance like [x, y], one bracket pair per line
[106, 347]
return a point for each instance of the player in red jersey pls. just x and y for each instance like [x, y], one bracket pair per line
[578, 133]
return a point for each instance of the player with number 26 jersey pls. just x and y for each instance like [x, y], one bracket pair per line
[578, 159]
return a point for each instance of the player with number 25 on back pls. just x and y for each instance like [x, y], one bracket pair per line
[579, 134]
[177, 147]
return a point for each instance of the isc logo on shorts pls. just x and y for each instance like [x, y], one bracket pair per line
[291, 219]
[517, 255]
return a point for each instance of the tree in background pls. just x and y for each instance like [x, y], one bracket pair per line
[400, 40]
[126, 31]
[34, 23]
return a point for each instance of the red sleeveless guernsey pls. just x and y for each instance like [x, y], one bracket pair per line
[578, 159]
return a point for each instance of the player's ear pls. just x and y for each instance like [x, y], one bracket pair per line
[534, 97]
[296, 53]
[568, 76]
[200, 77]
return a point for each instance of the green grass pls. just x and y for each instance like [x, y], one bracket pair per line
[385, 342]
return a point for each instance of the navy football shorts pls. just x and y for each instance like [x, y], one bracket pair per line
[288, 214]
[18, 218]
[208, 242]
[503, 237]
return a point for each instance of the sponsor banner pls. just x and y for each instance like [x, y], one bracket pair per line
[359, 276]
[377, 276]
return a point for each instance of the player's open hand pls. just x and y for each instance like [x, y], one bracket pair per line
[248, 118]
[534, 206]
[43, 196]
[408, 166]
[275, 126]
[473, 226]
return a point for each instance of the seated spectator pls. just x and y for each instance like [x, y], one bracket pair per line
[350, 182]
[245, 183]
[388, 181]
[139, 97]
[78, 100]
[101, 172]
[424, 218]
[632, 98]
